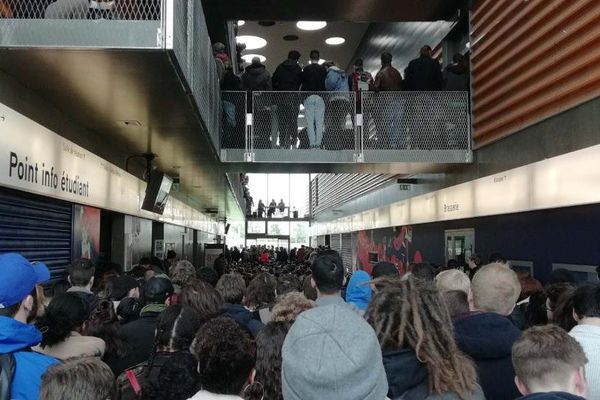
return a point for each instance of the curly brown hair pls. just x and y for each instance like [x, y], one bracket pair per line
[289, 306]
[226, 355]
[411, 314]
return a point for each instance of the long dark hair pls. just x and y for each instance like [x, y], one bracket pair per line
[66, 312]
[269, 342]
[104, 324]
[175, 331]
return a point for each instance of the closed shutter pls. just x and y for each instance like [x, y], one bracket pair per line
[37, 227]
[347, 251]
[320, 240]
[531, 60]
[336, 242]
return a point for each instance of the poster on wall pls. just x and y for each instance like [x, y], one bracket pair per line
[393, 245]
[86, 232]
[211, 253]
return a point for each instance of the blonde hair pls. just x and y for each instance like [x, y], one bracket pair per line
[495, 288]
[452, 279]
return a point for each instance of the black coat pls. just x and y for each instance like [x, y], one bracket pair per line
[287, 76]
[313, 78]
[140, 338]
[488, 339]
[423, 74]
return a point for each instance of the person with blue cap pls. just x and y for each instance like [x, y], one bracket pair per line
[21, 369]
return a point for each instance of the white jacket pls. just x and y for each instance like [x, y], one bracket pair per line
[589, 338]
[204, 395]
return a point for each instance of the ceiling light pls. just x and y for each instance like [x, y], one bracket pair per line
[311, 25]
[321, 61]
[248, 58]
[252, 42]
[241, 22]
[335, 41]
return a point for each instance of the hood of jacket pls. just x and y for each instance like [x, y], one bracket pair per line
[15, 335]
[484, 335]
[404, 371]
[359, 292]
[551, 396]
[255, 69]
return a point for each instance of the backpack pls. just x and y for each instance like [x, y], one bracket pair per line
[7, 371]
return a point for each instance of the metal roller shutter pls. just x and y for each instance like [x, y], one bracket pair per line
[347, 251]
[531, 60]
[336, 243]
[37, 227]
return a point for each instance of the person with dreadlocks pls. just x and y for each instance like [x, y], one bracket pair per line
[175, 331]
[420, 356]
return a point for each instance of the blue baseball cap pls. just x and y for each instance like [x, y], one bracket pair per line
[18, 278]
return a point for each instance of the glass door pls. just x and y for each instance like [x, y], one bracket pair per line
[460, 245]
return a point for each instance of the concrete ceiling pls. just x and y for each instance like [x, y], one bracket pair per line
[277, 48]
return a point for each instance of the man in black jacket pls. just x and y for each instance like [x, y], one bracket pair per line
[424, 73]
[256, 78]
[140, 333]
[487, 335]
[288, 78]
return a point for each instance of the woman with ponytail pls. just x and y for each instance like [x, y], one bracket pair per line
[62, 327]
[175, 331]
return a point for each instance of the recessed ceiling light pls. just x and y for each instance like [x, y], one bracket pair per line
[252, 42]
[266, 23]
[311, 25]
[241, 22]
[335, 41]
[291, 38]
[248, 58]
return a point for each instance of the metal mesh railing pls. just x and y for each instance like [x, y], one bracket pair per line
[424, 126]
[81, 23]
[193, 50]
[233, 124]
[324, 127]
[81, 9]
[297, 126]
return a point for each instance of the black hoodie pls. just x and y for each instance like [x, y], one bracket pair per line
[287, 76]
[256, 78]
[488, 339]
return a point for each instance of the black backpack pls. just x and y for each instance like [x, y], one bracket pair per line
[7, 371]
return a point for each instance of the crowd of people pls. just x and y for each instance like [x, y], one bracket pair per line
[322, 90]
[298, 327]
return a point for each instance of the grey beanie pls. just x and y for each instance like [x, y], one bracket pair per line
[331, 353]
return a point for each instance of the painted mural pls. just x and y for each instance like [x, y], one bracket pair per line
[394, 245]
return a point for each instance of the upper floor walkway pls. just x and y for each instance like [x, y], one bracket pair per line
[107, 61]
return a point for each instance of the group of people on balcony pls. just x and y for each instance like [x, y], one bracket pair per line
[272, 210]
[81, 9]
[327, 99]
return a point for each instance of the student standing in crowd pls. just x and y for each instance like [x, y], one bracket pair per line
[18, 308]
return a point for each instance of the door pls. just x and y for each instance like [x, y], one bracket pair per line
[460, 245]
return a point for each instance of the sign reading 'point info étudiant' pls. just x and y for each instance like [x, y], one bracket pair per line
[37, 160]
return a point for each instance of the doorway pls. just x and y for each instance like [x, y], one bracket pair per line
[460, 245]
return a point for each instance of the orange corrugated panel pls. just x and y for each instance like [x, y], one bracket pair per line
[531, 59]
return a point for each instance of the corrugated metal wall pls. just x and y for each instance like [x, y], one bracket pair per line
[531, 60]
[332, 190]
[37, 227]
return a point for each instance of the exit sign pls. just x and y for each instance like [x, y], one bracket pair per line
[405, 186]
